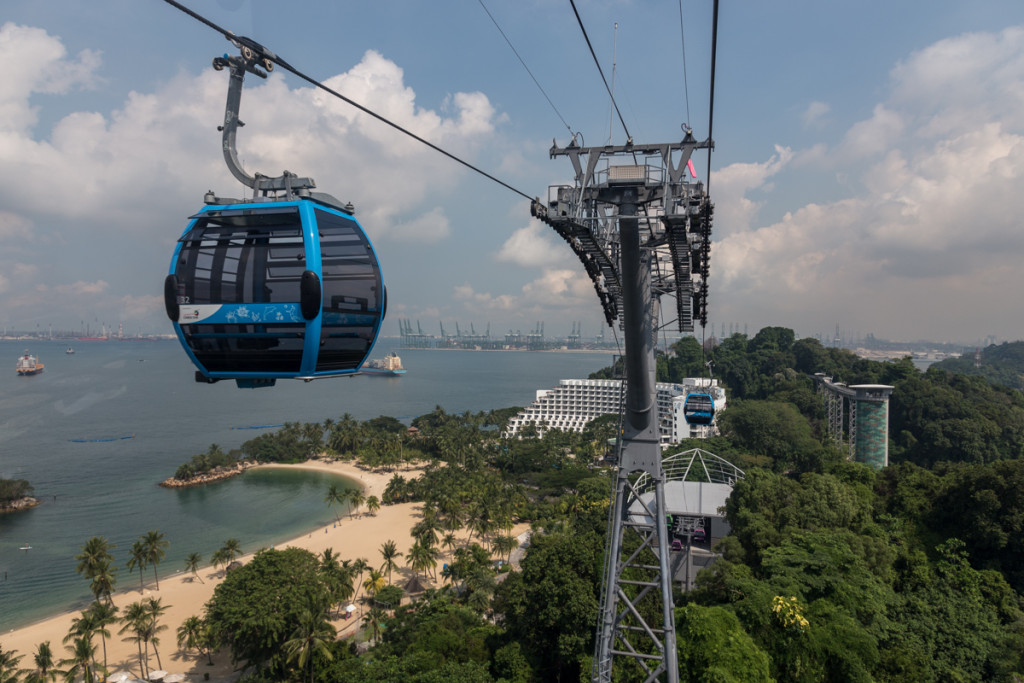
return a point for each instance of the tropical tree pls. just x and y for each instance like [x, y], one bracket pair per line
[221, 558]
[389, 551]
[356, 498]
[154, 610]
[134, 621]
[138, 559]
[103, 614]
[373, 619]
[192, 565]
[80, 663]
[258, 606]
[232, 549]
[372, 505]
[9, 671]
[156, 546]
[422, 557]
[374, 582]
[45, 666]
[190, 634]
[359, 567]
[95, 553]
[83, 626]
[194, 633]
[504, 544]
[313, 635]
[104, 579]
[335, 496]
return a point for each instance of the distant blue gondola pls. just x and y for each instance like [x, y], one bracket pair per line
[699, 409]
[282, 285]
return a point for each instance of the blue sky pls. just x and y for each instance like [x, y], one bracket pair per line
[867, 171]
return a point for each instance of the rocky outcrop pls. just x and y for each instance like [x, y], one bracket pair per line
[19, 504]
[216, 474]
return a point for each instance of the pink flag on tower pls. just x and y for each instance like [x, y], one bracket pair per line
[689, 165]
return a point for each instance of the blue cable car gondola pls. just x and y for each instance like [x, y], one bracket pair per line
[285, 285]
[699, 409]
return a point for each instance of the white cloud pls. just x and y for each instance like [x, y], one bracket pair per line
[35, 62]
[432, 226]
[136, 173]
[929, 238]
[533, 247]
[815, 113]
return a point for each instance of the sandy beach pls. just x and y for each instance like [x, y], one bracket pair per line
[356, 536]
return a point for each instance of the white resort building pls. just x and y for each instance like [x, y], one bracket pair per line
[575, 402]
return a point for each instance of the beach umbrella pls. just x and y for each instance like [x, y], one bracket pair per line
[120, 677]
[157, 675]
[174, 678]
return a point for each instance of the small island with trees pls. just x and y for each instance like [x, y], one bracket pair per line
[15, 495]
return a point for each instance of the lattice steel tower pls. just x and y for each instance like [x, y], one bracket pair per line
[642, 230]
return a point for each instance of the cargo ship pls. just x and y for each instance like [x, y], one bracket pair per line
[389, 366]
[29, 365]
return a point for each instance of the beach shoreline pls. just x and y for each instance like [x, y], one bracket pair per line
[355, 536]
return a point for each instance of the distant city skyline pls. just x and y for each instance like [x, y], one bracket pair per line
[868, 179]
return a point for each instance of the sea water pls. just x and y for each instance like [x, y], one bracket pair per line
[55, 429]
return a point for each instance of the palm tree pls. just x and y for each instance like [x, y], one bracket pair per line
[155, 545]
[134, 621]
[373, 505]
[83, 626]
[154, 610]
[356, 498]
[43, 659]
[104, 579]
[374, 582]
[389, 551]
[504, 544]
[83, 653]
[422, 557]
[194, 633]
[94, 553]
[190, 633]
[359, 566]
[373, 619]
[138, 559]
[232, 549]
[103, 614]
[9, 671]
[220, 558]
[192, 565]
[314, 634]
[335, 496]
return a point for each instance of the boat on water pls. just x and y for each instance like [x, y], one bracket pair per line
[69, 351]
[388, 366]
[29, 365]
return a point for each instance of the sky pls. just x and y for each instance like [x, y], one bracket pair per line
[868, 171]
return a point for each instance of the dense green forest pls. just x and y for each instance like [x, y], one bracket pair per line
[1000, 364]
[832, 572]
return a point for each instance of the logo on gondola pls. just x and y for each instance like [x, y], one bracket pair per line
[194, 314]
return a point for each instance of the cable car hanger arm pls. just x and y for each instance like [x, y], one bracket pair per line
[267, 54]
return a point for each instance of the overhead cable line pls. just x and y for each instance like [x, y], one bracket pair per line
[288, 67]
[629, 138]
[495, 22]
[711, 106]
[686, 87]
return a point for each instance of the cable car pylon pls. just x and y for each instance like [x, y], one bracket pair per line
[641, 231]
